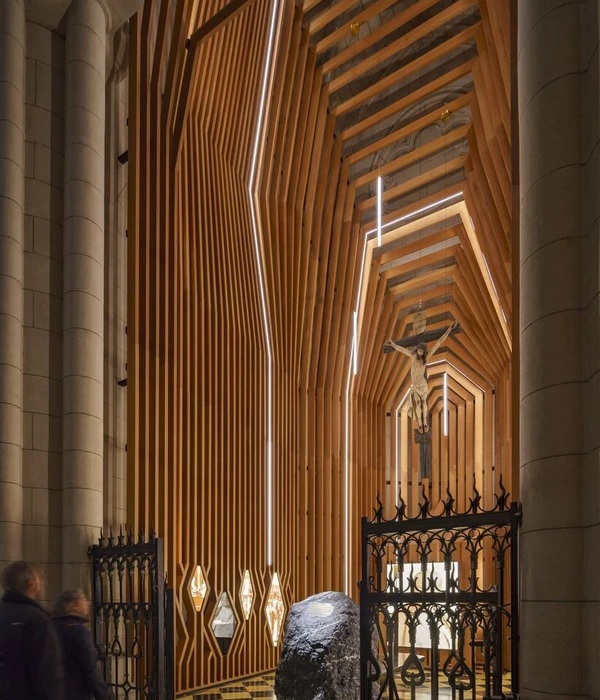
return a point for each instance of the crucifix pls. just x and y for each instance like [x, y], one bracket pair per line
[415, 347]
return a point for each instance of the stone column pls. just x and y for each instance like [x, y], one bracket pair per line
[83, 317]
[12, 158]
[552, 644]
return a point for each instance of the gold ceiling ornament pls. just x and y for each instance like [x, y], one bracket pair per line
[445, 115]
[354, 28]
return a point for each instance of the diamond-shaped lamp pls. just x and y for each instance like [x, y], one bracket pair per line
[275, 610]
[198, 589]
[247, 594]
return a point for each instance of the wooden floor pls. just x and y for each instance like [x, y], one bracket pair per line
[262, 687]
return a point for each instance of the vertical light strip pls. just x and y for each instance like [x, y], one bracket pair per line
[493, 440]
[355, 343]
[379, 208]
[396, 482]
[446, 404]
[257, 233]
[347, 483]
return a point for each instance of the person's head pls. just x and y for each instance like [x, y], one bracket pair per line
[22, 577]
[422, 351]
[73, 601]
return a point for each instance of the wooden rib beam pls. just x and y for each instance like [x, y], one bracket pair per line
[216, 22]
[409, 69]
[411, 128]
[404, 102]
[391, 49]
[365, 16]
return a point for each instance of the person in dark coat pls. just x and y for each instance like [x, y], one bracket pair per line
[30, 659]
[83, 680]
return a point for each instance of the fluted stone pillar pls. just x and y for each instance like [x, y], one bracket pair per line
[83, 319]
[12, 158]
[551, 69]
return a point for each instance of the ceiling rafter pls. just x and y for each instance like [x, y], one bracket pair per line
[380, 57]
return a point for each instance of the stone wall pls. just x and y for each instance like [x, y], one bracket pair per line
[42, 320]
[55, 490]
[115, 282]
[559, 97]
[590, 336]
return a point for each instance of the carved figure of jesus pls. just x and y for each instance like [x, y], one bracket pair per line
[419, 356]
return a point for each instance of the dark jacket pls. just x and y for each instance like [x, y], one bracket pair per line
[83, 679]
[30, 662]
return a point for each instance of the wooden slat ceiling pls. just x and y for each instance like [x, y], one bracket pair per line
[420, 93]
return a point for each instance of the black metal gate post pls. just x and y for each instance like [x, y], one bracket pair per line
[411, 568]
[132, 621]
[365, 632]
[515, 595]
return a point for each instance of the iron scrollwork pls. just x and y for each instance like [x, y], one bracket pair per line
[131, 615]
[441, 618]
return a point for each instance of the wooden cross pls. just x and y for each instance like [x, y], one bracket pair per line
[422, 438]
[426, 337]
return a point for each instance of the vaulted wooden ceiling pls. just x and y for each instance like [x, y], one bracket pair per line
[420, 94]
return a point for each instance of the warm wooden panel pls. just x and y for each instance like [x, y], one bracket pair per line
[426, 109]
[197, 349]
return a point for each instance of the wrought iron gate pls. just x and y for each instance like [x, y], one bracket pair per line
[133, 616]
[439, 601]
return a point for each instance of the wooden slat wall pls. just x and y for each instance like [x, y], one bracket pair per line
[198, 359]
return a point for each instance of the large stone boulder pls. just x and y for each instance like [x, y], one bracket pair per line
[320, 659]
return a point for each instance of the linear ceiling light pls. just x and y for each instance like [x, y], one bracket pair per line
[417, 212]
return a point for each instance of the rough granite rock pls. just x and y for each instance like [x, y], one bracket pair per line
[320, 659]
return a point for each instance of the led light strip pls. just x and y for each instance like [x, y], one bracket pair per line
[410, 215]
[417, 212]
[445, 404]
[347, 479]
[257, 233]
[379, 207]
[354, 343]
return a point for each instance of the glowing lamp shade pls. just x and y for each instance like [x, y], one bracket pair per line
[247, 594]
[198, 589]
[275, 610]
